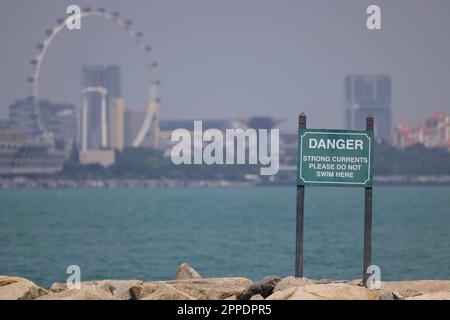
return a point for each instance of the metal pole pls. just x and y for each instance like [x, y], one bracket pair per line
[367, 219]
[300, 216]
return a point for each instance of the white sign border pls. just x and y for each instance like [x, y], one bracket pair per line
[341, 133]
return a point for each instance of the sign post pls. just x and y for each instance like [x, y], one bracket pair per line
[300, 210]
[367, 219]
[335, 158]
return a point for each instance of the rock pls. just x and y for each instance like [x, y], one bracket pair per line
[5, 280]
[290, 282]
[57, 287]
[257, 297]
[355, 282]
[84, 293]
[118, 288]
[198, 289]
[322, 281]
[387, 296]
[441, 295]
[407, 289]
[263, 287]
[404, 294]
[185, 272]
[212, 288]
[16, 288]
[136, 292]
[164, 291]
[282, 294]
[332, 291]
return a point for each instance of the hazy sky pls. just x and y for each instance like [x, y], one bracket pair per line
[238, 58]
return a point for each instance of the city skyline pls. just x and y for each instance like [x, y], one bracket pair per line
[273, 59]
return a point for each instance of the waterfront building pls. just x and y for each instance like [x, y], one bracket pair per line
[432, 133]
[58, 118]
[18, 156]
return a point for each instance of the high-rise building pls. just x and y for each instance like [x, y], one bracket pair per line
[58, 118]
[94, 119]
[61, 120]
[102, 76]
[100, 85]
[23, 118]
[369, 95]
[116, 123]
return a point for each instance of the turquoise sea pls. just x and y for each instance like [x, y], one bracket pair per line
[146, 233]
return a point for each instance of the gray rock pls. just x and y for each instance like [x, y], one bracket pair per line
[136, 292]
[263, 287]
[387, 296]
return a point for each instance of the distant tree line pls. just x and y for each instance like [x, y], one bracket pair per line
[415, 160]
[137, 163]
[144, 163]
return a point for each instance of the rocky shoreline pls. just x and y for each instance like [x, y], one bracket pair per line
[189, 285]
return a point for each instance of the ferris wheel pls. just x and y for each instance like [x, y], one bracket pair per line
[151, 119]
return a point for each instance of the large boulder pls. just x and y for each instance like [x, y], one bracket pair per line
[185, 272]
[191, 289]
[262, 287]
[160, 290]
[16, 288]
[84, 293]
[290, 282]
[282, 294]
[332, 291]
[118, 288]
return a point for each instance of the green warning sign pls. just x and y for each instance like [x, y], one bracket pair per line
[335, 158]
